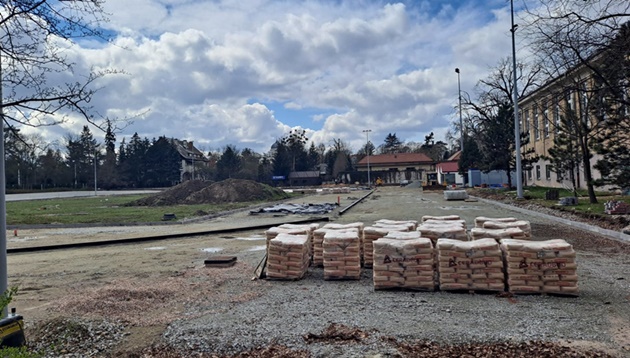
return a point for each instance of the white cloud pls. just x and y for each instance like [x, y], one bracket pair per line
[202, 70]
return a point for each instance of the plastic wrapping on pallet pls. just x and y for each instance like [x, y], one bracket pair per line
[404, 264]
[373, 233]
[342, 258]
[471, 265]
[288, 257]
[540, 266]
[318, 243]
[455, 195]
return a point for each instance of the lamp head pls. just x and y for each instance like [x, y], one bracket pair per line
[457, 70]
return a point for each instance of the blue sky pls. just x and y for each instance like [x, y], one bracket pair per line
[246, 72]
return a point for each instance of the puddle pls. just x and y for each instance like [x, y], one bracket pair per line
[212, 249]
[156, 248]
[251, 238]
[258, 248]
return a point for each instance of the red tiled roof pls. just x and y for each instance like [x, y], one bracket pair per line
[455, 156]
[398, 158]
[448, 167]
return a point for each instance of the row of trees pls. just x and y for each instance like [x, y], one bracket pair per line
[140, 162]
[592, 106]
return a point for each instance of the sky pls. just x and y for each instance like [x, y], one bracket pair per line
[246, 72]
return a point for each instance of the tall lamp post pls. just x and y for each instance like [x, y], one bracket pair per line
[461, 122]
[367, 151]
[517, 130]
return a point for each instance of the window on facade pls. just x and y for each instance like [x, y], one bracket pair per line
[559, 177]
[538, 172]
[536, 131]
[556, 115]
[526, 129]
[569, 95]
[548, 172]
[545, 120]
[529, 174]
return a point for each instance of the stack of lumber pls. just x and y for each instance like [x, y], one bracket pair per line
[310, 227]
[540, 266]
[441, 218]
[342, 258]
[318, 243]
[373, 233]
[524, 225]
[497, 234]
[471, 265]
[479, 220]
[404, 264]
[288, 257]
[397, 222]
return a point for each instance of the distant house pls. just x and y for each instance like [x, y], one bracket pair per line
[448, 171]
[394, 168]
[305, 178]
[193, 160]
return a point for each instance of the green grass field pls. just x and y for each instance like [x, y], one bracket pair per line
[105, 210]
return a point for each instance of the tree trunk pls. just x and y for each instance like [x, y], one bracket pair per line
[588, 178]
[509, 176]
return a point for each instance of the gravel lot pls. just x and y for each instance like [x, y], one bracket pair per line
[158, 299]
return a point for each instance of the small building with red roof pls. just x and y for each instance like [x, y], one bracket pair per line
[397, 167]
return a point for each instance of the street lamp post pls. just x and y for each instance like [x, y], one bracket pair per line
[517, 130]
[367, 151]
[95, 181]
[461, 122]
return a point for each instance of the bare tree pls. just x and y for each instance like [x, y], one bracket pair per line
[34, 38]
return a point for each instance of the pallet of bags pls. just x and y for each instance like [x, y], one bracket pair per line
[414, 223]
[287, 257]
[460, 222]
[310, 227]
[441, 218]
[373, 233]
[519, 224]
[318, 243]
[455, 195]
[358, 225]
[479, 220]
[342, 258]
[406, 264]
[540, 266]
[274, 231]
[472, 265]
[402, 235]
[477, 233]
[437, 231]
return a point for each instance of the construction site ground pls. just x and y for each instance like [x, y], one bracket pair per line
[157, 298]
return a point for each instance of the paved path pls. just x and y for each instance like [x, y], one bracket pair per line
[73, 194]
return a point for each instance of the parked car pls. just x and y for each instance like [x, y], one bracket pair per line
[404, 182]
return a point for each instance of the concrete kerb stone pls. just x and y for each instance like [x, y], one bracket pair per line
[617, 235]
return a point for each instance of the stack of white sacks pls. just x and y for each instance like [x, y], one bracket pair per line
[318, 238]
[540, 266]
[310, 228]
[403, 260]
[449, 227]
[288, 257]
[470, 265]
[272, 232]
[501, 228]
[342, 255]
[373, 233]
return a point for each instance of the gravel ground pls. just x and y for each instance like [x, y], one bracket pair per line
[157, 299]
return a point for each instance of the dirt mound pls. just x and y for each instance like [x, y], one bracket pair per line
[200, 192]
[172, 196]
[235, 190]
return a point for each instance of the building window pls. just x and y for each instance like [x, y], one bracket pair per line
[538, 172]
[529, 174]
[536, 132]
[526, 129]
[556, 115]
[559, 177]
[545, 120]
[584, 104]
[548, 172]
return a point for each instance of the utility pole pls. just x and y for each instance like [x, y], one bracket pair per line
[517, 130]
[367, 150]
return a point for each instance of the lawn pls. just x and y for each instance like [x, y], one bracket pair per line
[102, 210]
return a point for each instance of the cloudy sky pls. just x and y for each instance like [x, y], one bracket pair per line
[244, 72]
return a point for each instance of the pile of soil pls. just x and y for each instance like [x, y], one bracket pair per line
[235, 191]
[200, 192]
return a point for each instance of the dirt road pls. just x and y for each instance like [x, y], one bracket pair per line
[158, 298]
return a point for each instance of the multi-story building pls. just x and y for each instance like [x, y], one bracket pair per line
[554, 110]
